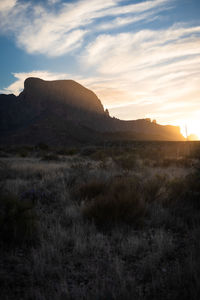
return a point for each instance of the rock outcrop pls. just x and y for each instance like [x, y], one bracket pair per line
[64, 112]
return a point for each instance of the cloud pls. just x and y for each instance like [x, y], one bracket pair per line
[17, 86]
[52, 2]
[175, 101]
[148, 72]
[136, 73]
[135, 8]
[55, 31]
[6, 5]
[141, 49]
[53, 44]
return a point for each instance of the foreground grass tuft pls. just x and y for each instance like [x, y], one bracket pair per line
[120, 202]
[18, 222]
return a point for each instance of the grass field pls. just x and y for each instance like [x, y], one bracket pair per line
[100, 222]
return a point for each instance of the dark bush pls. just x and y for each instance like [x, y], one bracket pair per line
[42, 146]
[67, 151]
[17, 220]
[92, 189]
[185, 191]
[23, 153]
[181, 162]
[126, 162]
[122, 202]
[88, 151]
[153, 188]
[50, 157]
[5, 170]
[193, 189]
[99, 155]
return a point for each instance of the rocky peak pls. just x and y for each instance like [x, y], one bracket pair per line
[61, 91]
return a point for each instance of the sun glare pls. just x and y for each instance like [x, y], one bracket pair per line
[191, 129]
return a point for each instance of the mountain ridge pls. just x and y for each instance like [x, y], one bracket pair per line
[65, 112]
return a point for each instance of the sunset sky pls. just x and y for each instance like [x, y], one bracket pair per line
[141, 58]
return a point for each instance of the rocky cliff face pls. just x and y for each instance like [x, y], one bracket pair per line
[40, 93]
[65, 112]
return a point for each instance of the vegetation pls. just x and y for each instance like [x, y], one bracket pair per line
[17, 220]
[101, 222]
[121, 202]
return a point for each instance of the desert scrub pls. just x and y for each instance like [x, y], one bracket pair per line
[178, 162]
[50, 157]
[5, 170]
[121, 202]
[67, 151]
[155, 188]
[126, 162]
[99, 155]
[92, 189]
[87, 151]
[18, 222]
[186, 190]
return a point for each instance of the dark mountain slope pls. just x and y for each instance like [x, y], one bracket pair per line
[64, 112]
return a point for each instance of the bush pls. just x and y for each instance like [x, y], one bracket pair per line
[50, 157]
[87, 151]
[122, 202]
[23, 152]
[99, 155]
[92, 189]
[42, 146]
[185, 190]
[181, 162]
[153, 188]
[193, 189]
[5, 170]
[67, 151]
[127, 162]
[17, 220]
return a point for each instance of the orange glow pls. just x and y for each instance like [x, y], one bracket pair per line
[193, 128]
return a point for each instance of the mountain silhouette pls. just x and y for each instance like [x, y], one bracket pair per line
[63, 112]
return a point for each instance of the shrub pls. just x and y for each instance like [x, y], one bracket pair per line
[127, 162]
[42, 146]
[87, 151]
[185, 190]
[67, 151]
[122, 202]
[153, 187]
[17, 220]
[23, 152]
[5, 170]
[180, 162]
[50, 157]
[193, 189]
[176, 189]
[92, 189]
[99, 155]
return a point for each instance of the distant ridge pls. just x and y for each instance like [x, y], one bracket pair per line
[63, 112]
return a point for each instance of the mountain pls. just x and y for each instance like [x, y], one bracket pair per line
[64, 112]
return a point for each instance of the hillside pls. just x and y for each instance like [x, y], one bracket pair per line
[64, 112]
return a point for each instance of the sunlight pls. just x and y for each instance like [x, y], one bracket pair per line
[193, 128]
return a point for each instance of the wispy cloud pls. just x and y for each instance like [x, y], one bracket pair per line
[143, 48]
[135, 71]
[151, 71]
[56, 31]
[6, 5]
[17, 86]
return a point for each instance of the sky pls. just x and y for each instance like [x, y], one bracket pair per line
[141, 57]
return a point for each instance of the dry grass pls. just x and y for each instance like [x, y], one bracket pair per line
[149, 248]
[119, 201]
